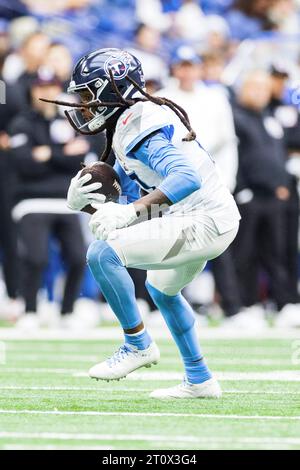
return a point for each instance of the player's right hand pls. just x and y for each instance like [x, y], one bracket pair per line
[81, 195]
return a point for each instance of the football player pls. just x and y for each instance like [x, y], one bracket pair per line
[161, 165]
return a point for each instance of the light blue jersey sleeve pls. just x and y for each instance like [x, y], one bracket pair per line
[130, 189]
[158, 152]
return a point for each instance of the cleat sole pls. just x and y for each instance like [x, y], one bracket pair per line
[154, 363]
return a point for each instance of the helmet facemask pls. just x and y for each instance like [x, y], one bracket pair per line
[92, 120]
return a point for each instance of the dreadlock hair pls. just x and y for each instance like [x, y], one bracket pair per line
[123, 104]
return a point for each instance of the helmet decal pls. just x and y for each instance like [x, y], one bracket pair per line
[119, 65]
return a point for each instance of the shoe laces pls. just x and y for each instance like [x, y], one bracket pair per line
[185, 382]
[123, 352]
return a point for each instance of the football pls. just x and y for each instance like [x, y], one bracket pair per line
[111, 186]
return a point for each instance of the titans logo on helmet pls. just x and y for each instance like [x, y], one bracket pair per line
[118, 67]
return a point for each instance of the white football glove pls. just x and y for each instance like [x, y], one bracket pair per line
[80, 196]
[109, 217]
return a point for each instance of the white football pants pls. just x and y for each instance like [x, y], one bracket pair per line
[173, 248]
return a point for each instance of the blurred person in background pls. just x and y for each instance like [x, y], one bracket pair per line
[147, 49]
[263, 190]
[46, 154]
[213, 67]
[217, 35]
[288, 116]
[213, 64]
[10, 9]
[59, 59]
[248, 18]
[33, 52]
[208, 108]
[51, 7]
[211, 117]
[19, 29]
[9, 306]
[4, 38]
[285, 15]
[153, 14]
[190, 21]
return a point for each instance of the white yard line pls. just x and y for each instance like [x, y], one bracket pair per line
[168, 349]
[138, 390]
[148, 415]
[54, 447]
[286, 376]
[282, 375]
[113, 333]
[148, 438]
[54, 357]
[80, 389]
[88, 358]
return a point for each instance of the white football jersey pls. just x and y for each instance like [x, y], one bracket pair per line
[213, 198]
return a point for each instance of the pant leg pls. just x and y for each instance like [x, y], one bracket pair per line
[244, 250]
[272, 246]
[69, 233]
[8, 232]
[227, 285]
[291, 242]
[34, 231]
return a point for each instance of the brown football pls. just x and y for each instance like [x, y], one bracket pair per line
[111, 186]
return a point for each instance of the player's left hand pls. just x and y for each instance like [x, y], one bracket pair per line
[109, 217]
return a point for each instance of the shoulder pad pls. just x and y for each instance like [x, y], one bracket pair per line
[137, 122]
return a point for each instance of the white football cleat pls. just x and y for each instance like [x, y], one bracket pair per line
[11, 309]
[289, 317]
[249, 319]
[208, 389]
[125, 360]
[29, 322]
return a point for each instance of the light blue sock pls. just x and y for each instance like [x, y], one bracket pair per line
[180, 319]
[141, 340]
[118, 289]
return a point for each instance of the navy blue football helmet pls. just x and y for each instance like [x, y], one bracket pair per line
[91, 75]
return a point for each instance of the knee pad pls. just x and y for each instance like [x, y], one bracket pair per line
[96, 253]
[100, 254]
[174, 308]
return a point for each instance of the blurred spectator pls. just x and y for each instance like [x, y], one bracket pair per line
[213, 64]
[146, 48]
[51, 7]
[33, 51]
[190, 22]
[58, 58]
[248, 18]
[263, 189]
[288, 116]
[8, 246]
[216, 6]
[284, 14]
[4, 38]
[10, 9]
[217, 34]
[208, 110]
[22, 65]
[46, 154]
[152, 14]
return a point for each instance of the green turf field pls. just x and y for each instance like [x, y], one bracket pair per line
[48, 402]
